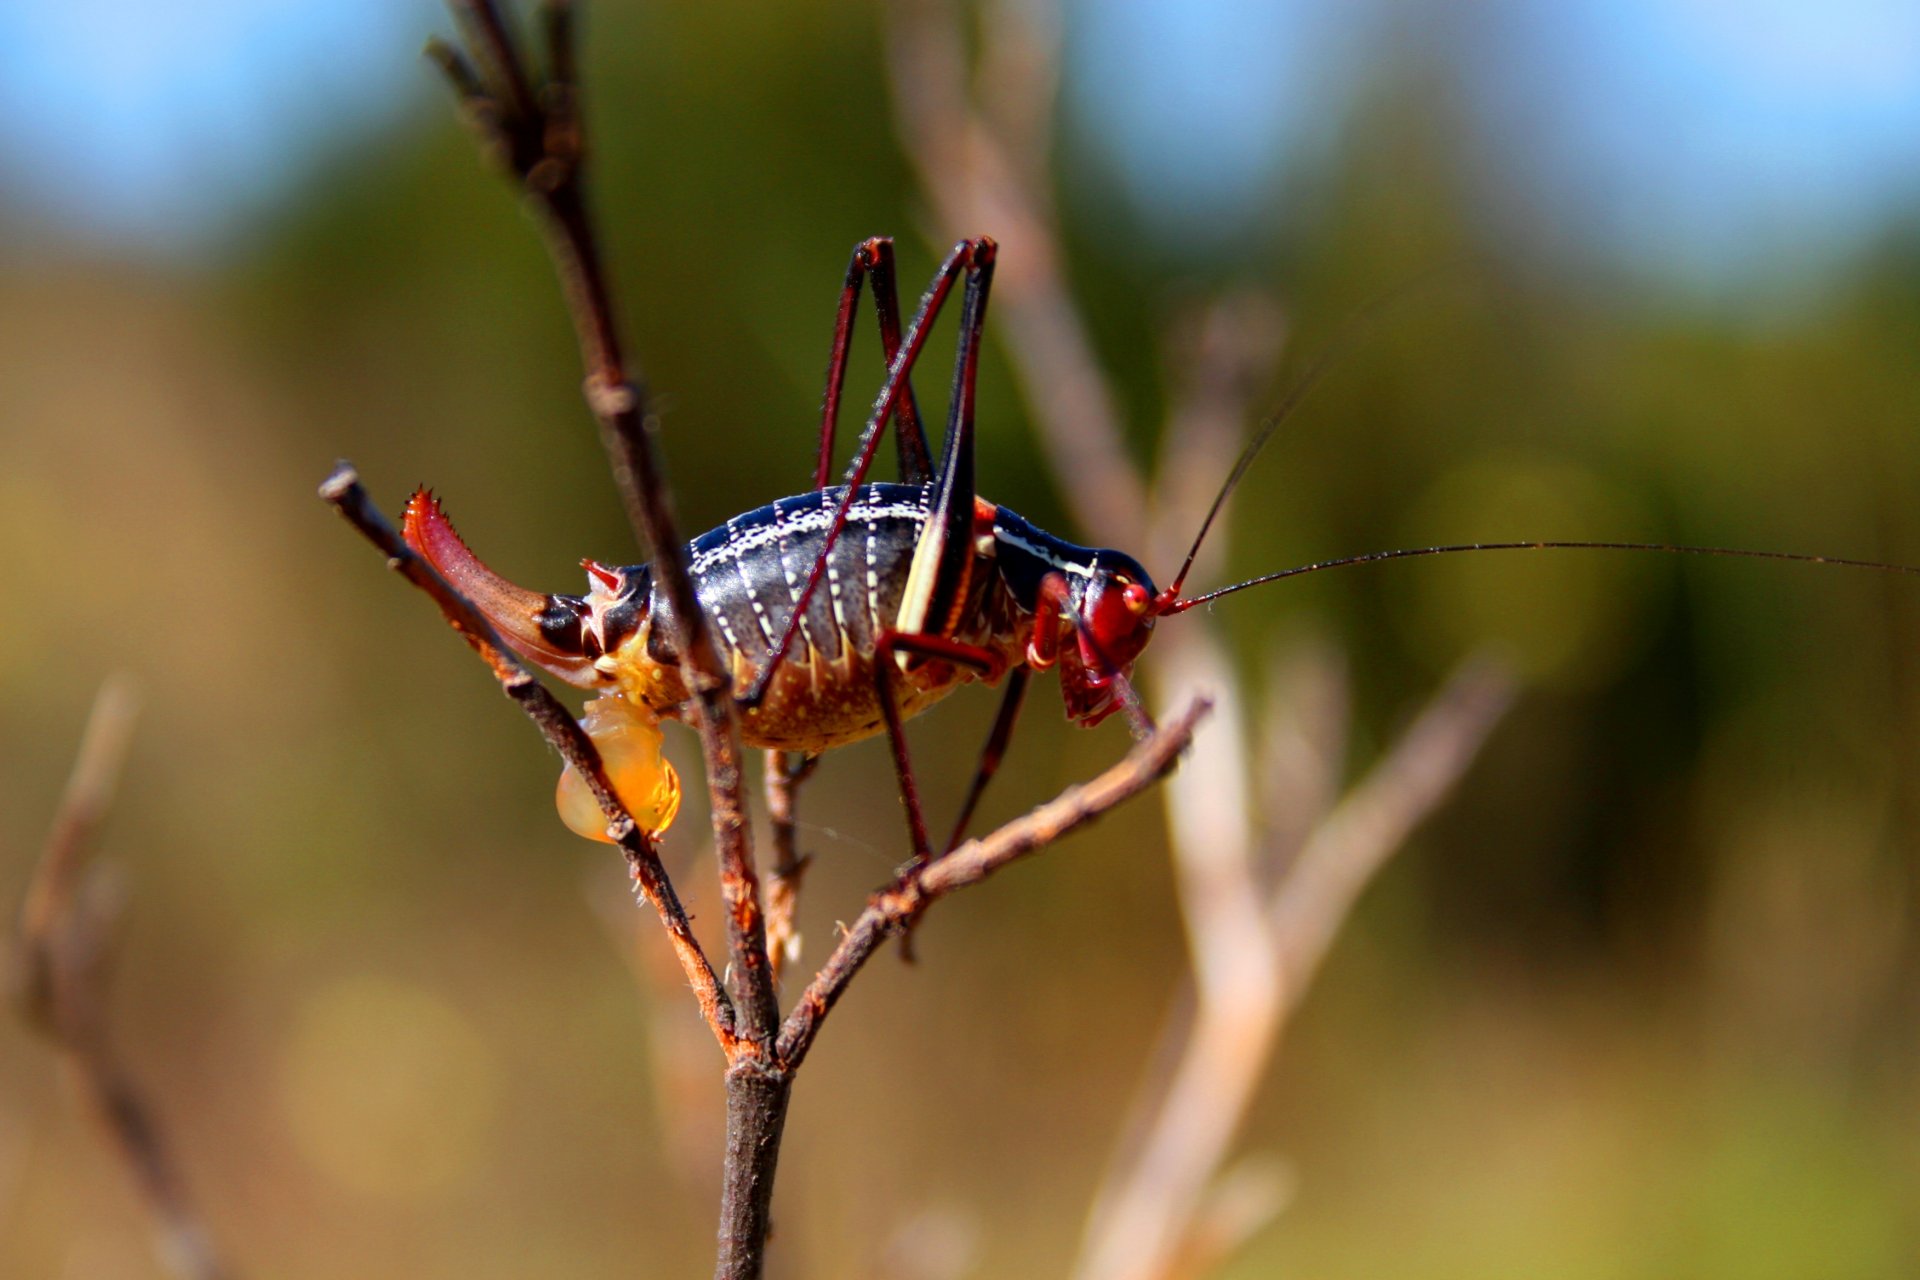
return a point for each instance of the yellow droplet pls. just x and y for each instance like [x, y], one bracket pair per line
[629, 739]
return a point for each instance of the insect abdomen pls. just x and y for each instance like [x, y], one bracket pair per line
[750, 572]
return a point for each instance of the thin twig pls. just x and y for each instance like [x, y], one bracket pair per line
[533, 127]
[787, 771]
[563, 733]
[66, 933]
[899, 905]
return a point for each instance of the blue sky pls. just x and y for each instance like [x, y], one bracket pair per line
[1708, 137]
[155, 124]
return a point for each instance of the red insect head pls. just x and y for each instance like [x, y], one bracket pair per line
[1116, 608]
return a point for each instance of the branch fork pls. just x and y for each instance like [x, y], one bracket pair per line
[528, 123]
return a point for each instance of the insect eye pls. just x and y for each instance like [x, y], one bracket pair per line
[1116, 609]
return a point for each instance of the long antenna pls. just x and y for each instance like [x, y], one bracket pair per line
[1323, 361]
[1375, 557]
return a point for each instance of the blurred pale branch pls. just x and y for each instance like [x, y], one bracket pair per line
[67, 933]
[1158, 1204]
[974, 177]
[933, 1244]
[1259, 913]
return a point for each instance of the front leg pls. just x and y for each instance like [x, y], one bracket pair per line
[894, 647]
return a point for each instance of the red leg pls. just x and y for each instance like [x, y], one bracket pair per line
[909, 436]
[871, 258]
[961, 260]
[885, 649]
[990, 756]
[936, 588]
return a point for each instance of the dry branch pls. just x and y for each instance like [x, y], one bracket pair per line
[563, 733]
[1347, 849]
[531, 125]
[529, 122]
[65, 942]
[787, 771]
[900, 904]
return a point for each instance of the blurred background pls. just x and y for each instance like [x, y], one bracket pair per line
[1642, 1000]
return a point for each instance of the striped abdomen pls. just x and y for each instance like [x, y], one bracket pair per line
[750, 573]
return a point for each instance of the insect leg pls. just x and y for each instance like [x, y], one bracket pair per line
[1056, 603]
[991, 754]
[909, 437]
[873, 257]
[887, 648]
[958, 261]
[936, 589]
